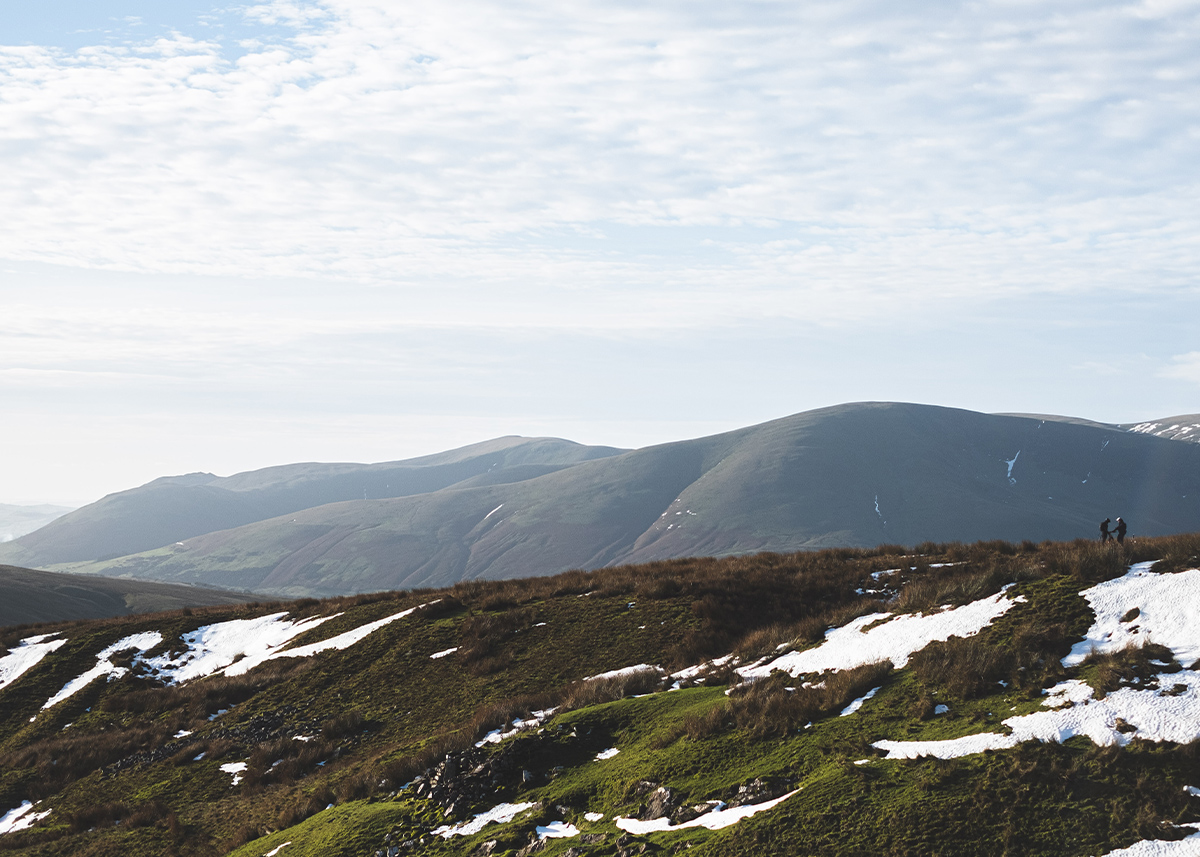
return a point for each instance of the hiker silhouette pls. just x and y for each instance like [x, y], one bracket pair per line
[1105, 535]
[1121, 528]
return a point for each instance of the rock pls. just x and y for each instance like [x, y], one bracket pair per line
[592, 838]
[661, 804]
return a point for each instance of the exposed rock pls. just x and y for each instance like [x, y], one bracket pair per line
[662, 802]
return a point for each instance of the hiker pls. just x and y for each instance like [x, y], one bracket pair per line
[1121, 528]
[1105, 535]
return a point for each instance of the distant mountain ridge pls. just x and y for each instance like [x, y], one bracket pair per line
[852, 475]
[174, 508]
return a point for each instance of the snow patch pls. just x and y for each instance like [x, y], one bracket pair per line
[104, 667]
[235, 768]
[501, 814]
[28, 653]
[1169, 604]
[624, 671]
[858, 703]
[239, 645]
[607, 754]
[498, 735]
[443, 653]
[21, 818]
[594, 816]
[557, 830]
[277, 849]
[878, 637]
[1188, 847]
[1011, 462]
[717, 819]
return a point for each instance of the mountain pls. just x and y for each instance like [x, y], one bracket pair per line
[1184, 427]
[18, 520]
[853, 475]
[28, 596]
[174, 508]
[987, 699]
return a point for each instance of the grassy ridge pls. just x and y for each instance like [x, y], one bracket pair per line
[382, 714]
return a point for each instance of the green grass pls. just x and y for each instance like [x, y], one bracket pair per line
[382, 712]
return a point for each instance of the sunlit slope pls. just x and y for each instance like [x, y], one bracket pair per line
[988, 699]
[175, 508]
[855, 475]
[42, 596]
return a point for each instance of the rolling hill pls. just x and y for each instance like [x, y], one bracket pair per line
[173, 508]
[988, 699]
[854, 475]
[29, 596]
[16, 521]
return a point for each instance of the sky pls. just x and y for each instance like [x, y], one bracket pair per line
[357, 230]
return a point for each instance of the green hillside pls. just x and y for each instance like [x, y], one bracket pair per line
[173, 508]
[854, 475]
[747, 710]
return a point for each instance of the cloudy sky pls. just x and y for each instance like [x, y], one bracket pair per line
[242, 235]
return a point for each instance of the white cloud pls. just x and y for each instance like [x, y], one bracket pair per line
[1184, 367]
[888, 151]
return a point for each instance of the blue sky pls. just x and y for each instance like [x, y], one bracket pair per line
[243, 235]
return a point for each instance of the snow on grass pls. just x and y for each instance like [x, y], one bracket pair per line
[594, 816]
[342, 641]
[20, 818]
[624, 671]
[607, 754]
[212, 648]
[443, 653]
[239, 645]
[1188, 847]
[1068, 692]
[277, 849]
[235, 768]
[104, 667]
[858, 703]
[501, 814]
[1154, 716]
[498, 735]
[1168, 605]
[717, 819]
[882, 636]
[26, 656]
[557, 830]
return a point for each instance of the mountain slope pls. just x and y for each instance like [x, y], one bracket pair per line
[1184, 427]
[28, 596]
[174, 508]
[984, 699]
[18, 520]
[853, 475]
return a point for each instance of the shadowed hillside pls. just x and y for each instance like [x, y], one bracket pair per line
[42, 596]
[854, 475]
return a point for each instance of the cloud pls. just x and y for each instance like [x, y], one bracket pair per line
[844, 158]
[1184, 367]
